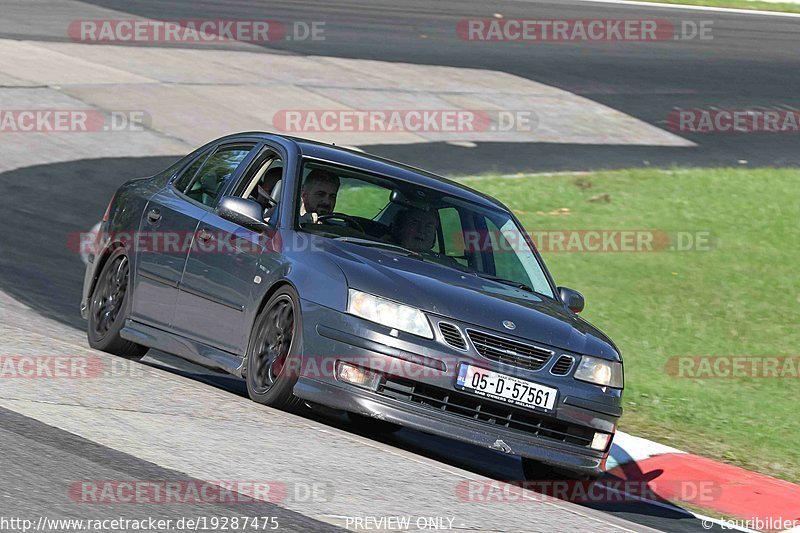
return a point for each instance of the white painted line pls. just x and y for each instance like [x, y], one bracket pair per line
[732, 10]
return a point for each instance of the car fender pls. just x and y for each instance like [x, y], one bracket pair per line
[315, 277]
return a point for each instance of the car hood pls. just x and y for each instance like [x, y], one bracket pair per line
[465, 297]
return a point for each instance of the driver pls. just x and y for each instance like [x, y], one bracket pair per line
[318, 195]
[415, 229]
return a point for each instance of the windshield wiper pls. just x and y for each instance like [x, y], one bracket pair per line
[380, 244]
[504, 281]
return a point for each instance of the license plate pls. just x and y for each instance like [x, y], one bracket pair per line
[506, 388]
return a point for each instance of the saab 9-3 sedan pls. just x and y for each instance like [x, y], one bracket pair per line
[322, 275]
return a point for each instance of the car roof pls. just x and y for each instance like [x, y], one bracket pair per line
[380, 165]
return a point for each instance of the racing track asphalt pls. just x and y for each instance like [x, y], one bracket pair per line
[44, 209]
[41, 463]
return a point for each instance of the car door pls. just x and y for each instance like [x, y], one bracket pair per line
[219, 272]
[161, 252]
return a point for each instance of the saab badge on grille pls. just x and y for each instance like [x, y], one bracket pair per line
[508, 324]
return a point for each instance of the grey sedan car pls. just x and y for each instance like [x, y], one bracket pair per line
[323, 275]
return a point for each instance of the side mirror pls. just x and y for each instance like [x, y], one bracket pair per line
[572, 299]
[242, 211]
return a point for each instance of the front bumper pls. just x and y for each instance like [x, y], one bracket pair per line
[418, 391]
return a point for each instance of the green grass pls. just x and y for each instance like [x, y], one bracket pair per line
[738, 298]
[740, 4]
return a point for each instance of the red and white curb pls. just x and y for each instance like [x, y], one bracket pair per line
[754, 501]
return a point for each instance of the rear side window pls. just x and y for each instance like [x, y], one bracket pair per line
[210, 180]
[186, 177]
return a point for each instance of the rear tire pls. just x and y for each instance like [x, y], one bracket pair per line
[274, 352]
[109, 306]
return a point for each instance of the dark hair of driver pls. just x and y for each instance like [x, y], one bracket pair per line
[317, 176]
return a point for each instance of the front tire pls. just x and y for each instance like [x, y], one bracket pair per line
[109, 306]
[275, 350]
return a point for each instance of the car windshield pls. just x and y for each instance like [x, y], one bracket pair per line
[406, 218]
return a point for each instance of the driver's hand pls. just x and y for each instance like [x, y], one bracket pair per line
[315, 218]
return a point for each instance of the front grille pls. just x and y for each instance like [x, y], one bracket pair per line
[562, 366]
[484, 410]
[452, 335]
[509, 352]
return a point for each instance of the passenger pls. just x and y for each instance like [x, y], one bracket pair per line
[415, 229]
[263, 191]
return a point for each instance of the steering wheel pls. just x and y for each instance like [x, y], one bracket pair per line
[347, 219]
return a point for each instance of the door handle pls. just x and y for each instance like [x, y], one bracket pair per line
[153, 216]
[204, 235]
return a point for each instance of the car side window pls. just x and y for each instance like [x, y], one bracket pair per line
[262, 183]
[507, 265]
[503, 242]
[215, 173]
[359, 198]
[452, 235]
[186, 177]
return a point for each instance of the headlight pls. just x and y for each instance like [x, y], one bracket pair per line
[600, 372]
[388, 313]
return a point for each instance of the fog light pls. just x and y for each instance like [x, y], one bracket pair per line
[358, 376]
[600, 441]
